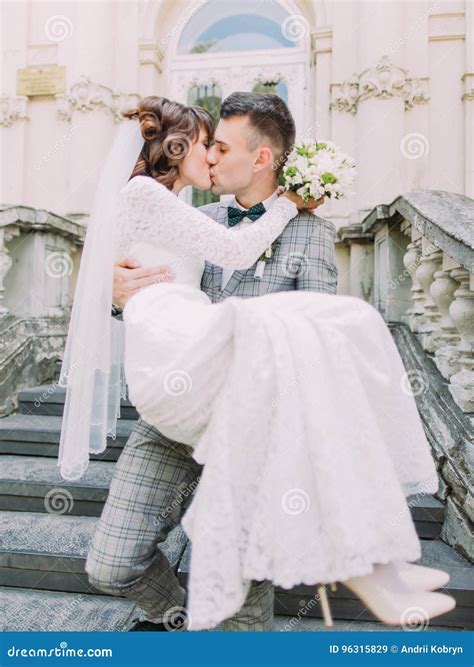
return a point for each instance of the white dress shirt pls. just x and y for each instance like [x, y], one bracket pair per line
[227, 272]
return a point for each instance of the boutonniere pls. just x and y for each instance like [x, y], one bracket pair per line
[264, 258]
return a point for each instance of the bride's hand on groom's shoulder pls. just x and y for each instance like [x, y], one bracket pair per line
[130, 277]
[310, 205]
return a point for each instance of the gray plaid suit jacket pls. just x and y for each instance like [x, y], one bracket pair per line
[304, 260]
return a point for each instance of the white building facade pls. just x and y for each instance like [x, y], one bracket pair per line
[392, 83]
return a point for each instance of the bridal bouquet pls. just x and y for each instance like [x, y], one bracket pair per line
[317, 169]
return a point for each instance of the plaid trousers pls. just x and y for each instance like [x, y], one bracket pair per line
[150, 490]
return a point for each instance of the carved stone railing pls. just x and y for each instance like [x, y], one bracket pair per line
[424, 276]
[38, 265]
[413, 260]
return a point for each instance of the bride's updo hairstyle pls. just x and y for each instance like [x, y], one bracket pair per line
[169, 130]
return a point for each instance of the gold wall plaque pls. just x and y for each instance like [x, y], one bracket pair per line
[43, 80]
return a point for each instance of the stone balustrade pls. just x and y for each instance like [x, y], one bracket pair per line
[418, 255]
[414, 261]
[38, 266]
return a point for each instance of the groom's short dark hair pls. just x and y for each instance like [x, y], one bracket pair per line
[269, 117]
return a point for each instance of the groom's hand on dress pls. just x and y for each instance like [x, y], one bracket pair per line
[130, 277]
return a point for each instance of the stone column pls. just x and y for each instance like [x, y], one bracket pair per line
[6, 263]
[429, 263]
[411, 261]
[461, 312]
[442, 291]
[361, 271]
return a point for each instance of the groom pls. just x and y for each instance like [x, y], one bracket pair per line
[155, 477]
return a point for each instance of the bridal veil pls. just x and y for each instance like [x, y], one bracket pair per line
[92, 369]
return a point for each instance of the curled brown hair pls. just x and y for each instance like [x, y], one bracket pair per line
[169, 129]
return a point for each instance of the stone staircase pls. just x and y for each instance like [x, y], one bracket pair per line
[46, 525]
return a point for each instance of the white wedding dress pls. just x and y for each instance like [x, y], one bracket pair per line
[294, 402]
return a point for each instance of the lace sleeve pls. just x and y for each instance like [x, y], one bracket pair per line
[149, 211]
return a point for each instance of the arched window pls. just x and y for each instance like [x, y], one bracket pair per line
[208, 96]
[236, 25]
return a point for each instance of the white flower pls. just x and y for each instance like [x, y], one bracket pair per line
[319, 168]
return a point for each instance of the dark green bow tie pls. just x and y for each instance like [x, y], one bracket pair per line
[235, 215]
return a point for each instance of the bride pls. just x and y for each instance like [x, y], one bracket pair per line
[291, 400]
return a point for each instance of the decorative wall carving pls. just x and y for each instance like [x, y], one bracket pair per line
[383, 81]
[85, 95]
[321, 42]
[12, 110]
[468, 81]
[237, 78]
[184, 81]
[150, 53]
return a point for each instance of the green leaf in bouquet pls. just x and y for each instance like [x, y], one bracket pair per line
[305, 151]
[327, 177]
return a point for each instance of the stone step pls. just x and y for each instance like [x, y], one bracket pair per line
[48, 399]
[48, 551]
[39, 435]
[300, 602]
[52, 611]
[33, 484]
[428, 514]
[25, 482]
[301, 623]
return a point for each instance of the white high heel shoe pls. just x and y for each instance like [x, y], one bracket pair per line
[420, 578]
[389, 601]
